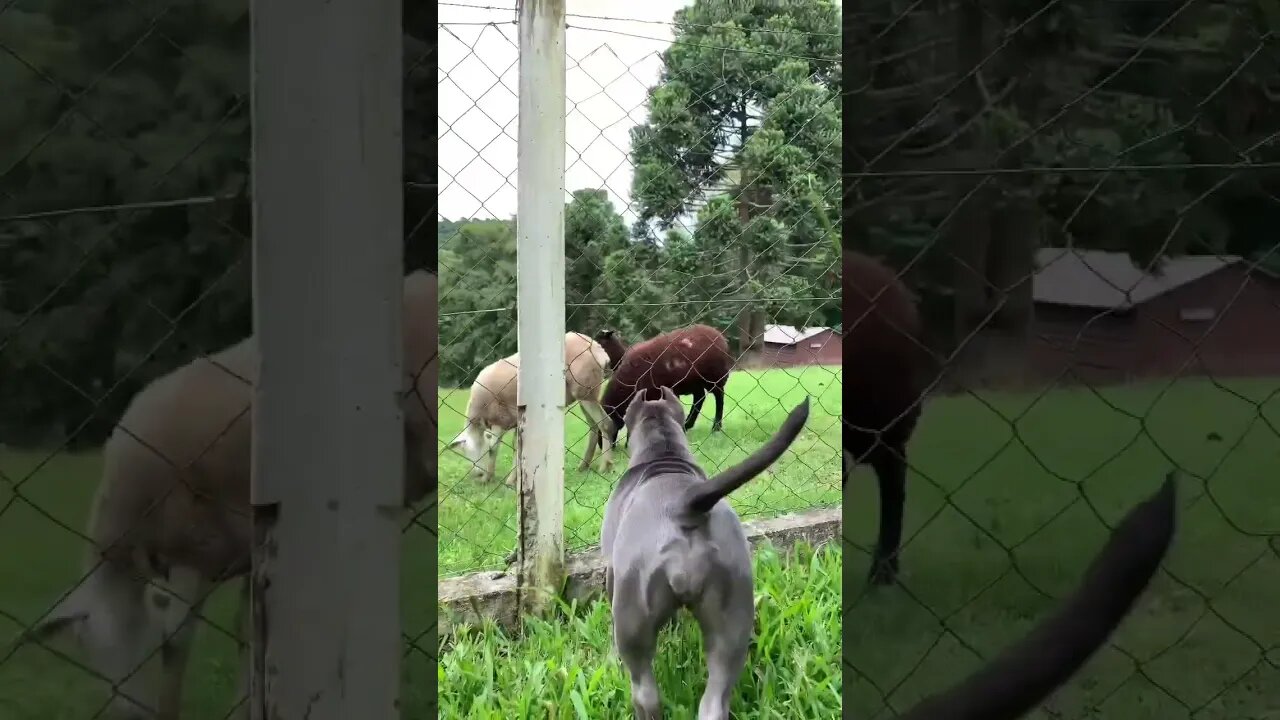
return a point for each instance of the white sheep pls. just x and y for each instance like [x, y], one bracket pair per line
[173, 505]
[491, 409]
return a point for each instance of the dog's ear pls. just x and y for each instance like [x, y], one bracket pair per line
[637, 400]
[673, 402]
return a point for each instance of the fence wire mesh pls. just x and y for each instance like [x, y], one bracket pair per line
[125, 254]
[124, 258]
[418, 553]
[698, 191]
[1080, 197]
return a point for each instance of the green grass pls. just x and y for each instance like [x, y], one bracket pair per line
[566, 669]
[478, 521]
[1018, 473]
[1006, 490]
[40, 545]
[40, 555]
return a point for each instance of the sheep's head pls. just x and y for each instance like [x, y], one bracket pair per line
[613, 345]
[108, 618]
[474, 442]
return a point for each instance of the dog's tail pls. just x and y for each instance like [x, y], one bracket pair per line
[1021, 677]
[705, 495]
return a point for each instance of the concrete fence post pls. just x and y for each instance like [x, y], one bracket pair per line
[540, 293]
[327, 467]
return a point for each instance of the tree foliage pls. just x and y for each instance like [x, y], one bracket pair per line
[964, 86]
[738, 155]
[743, 134]
[133, 103]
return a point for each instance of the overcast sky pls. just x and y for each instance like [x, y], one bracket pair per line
[611, 63]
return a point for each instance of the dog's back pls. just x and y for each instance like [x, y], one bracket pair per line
[667, 498]
[671, 556]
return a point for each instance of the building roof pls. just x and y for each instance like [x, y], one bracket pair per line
[789, 335]
[1110, 280]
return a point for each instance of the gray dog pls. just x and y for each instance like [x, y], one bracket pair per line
[670, 542]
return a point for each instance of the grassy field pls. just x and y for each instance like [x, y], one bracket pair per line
[1015, 472]
[40, 555]
[566, 669]
[1012, 472]
[478, 521]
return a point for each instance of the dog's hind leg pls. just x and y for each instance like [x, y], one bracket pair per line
[637, 652]
[726, 639]
[635, 634]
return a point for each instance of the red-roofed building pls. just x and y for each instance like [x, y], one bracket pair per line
[785, 346]
[1112, 322]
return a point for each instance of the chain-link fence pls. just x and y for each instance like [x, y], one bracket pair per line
[1082, 198]
[124, 254]
[700, 190]
[125, 304]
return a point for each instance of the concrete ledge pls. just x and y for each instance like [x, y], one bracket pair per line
[492, 594]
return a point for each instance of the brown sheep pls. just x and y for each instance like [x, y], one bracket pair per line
[491, 408]
[690, 360]
[883, 367]
[173, 505]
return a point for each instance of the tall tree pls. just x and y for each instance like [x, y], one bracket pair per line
[478, 282]
[747, 107]
[592, 231]
[126, 104]
[1019, 84]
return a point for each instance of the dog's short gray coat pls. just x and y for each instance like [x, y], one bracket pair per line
[670, 541]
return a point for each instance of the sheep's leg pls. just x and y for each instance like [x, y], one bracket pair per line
[606, 442]
[477, 466]
[515, 462]
[596, 415]
[718, 424]
[891, 471]
[699, 396]
[190, 592]
[589, 451]
[490, 460]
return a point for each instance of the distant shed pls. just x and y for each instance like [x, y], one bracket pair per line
[787, 346]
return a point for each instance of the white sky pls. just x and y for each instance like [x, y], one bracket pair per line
[609, 72]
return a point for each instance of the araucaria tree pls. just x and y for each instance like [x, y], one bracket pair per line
[743, 135]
